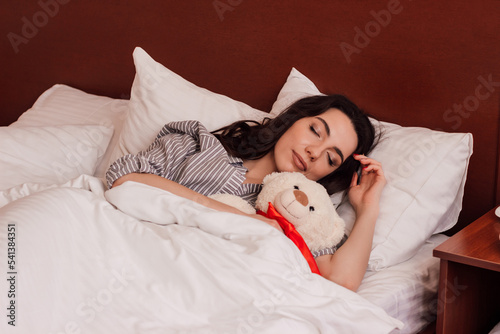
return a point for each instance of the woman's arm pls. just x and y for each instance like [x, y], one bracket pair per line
[348, 265]
[182, 191]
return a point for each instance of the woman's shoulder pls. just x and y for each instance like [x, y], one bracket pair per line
[192, 133]
[188, 127]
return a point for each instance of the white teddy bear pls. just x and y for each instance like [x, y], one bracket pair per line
[302, 202]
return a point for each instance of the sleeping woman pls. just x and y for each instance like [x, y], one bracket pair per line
[326, 138]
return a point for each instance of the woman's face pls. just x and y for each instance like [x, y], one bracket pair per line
[316, 146]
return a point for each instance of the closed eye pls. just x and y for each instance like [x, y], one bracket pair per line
[311, 127]
[330, 161]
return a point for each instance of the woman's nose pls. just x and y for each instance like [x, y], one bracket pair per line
[313, 152]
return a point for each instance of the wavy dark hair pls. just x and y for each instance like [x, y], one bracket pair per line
[252, 140]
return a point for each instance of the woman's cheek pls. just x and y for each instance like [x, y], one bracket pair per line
[285, 166]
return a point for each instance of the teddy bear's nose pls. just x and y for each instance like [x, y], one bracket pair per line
[301, 197]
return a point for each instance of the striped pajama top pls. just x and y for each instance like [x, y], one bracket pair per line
[187, 153]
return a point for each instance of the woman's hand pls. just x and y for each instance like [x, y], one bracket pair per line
[366, 195]
[347, 266]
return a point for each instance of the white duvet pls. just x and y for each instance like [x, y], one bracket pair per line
[152, 262]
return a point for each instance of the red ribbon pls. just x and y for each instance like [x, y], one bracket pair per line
[292, 234]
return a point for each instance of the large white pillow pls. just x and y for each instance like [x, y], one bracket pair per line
[50, 155]
[425, 170]
[65, 105]
[160, 96]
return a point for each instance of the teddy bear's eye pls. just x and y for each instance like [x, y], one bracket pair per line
[311, 208]
[296, 187]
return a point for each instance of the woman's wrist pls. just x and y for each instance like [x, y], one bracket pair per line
[367, 212]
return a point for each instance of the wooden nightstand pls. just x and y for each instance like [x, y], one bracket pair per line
[469, 282]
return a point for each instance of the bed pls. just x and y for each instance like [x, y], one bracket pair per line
[85, 83]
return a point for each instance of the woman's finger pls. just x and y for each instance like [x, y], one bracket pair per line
[373, 168]
[368, 161]
[365, 161]
[354, 179]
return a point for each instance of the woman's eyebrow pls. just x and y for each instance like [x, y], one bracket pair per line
[327, 129]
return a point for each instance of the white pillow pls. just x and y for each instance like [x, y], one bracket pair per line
[50, 155]
[65, 105]
[425, 170]
[160, 96]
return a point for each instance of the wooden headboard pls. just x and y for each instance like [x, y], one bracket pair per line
[416, 63]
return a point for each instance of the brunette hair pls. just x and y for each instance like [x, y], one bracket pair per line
[252, 140]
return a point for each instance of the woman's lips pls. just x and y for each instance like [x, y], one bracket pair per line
[299, 162]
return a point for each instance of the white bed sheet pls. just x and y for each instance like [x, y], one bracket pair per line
[83, 266]
[407, 291]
